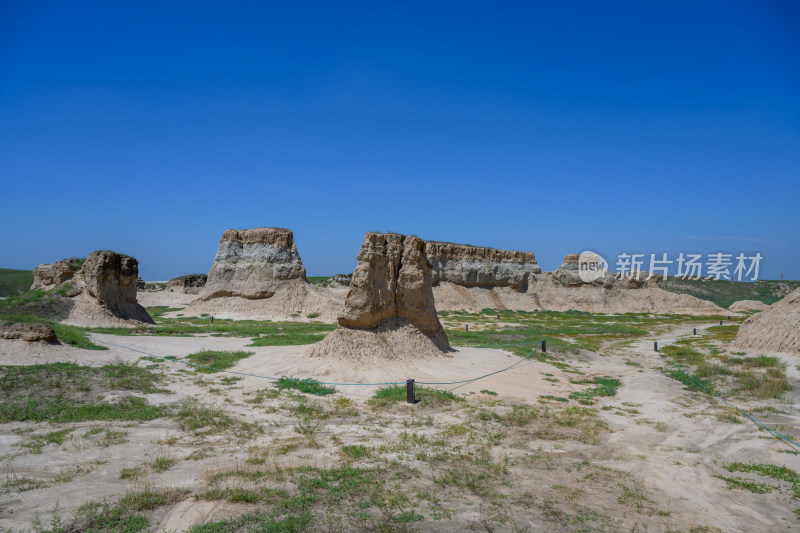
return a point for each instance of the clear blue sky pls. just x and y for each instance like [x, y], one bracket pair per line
[552, 127]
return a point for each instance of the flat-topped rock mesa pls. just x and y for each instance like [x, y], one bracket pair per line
[102, 287]
[476, 266]
[775, 329]
[568, 275]
[189, 284]
[389, 311]
[257, 274]
[251, 263]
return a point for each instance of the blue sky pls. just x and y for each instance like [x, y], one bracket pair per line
[552, 127]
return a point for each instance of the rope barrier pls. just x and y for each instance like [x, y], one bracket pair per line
[334, 383]
[794, 446]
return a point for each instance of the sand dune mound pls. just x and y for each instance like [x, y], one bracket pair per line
[258, 274]
[389, 312]
[776, 329]
[102, 288]
[748, 305]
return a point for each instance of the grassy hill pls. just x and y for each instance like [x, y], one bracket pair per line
[724, 293]
[14, 281]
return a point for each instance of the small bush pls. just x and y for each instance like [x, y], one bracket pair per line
[213, 361]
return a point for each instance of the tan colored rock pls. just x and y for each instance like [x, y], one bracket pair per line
[190, 284]
[252, 263]
[475, 266]
[258, 275]
[748, 305]
[776, 329]
[50, 276]
[103, 290]
[390, 299]
[28, 332]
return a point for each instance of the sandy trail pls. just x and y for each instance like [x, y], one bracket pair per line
[676, 449]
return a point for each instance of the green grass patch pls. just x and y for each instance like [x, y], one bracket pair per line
[58, 410]
[75, 336]
[307, 385]
[425, 396]
[210, 361]
[604, 386]
[14, 281]
[287, 339]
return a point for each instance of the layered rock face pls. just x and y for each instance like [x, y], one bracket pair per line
[251, 263]
[568, 275]
[103, 289]
[389, 311]
[776, 329]
[258, 275]
[474, 266]
[191, 284]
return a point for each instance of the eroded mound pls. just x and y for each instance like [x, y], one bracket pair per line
[389, 311]
[777, 328]
[748, 305]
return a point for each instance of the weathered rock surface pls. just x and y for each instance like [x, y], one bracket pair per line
[252, 263]
[28, 332]
[140, 284]
[343, 279]
[475, 266]
[190, 284]
[258, 274]
[103, 289]
[50, 276]
[748, 305]
[389, 305]
[564, 290]
[776, 329]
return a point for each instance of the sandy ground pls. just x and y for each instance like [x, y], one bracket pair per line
[168, 298]
[669, 440]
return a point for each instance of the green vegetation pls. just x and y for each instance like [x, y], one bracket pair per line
[307, 385]
[14, 281]
[75, 336]
[724, 292]
[288, 339]
[425, 396]
[213, 361]
[67, 392]
[605, 386]
[317, 280]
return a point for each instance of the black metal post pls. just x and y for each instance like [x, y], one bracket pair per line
[694, 332]
[720, 322]
[544, 346]
[212, 319]
[410, 391]
[466, 327]
[655, 346]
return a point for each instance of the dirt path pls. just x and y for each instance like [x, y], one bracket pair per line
[676, 445]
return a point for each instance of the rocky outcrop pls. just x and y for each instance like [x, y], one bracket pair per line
[189, 284]
[568, 275]
[343, 279]
[50, 276]
[140, 284]
[389, 307]
[565, 289]
[748, 305]
[28, 332]
[252, 263]
[475, 266]
[258, 275]
[776, 329]
[103, 289]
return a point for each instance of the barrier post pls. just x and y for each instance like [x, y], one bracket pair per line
[466, 327]
[720, 322]
[694, 332]
[212, 319]
[544, 346]
[410, 391]
[655, 346]
[498, 317]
